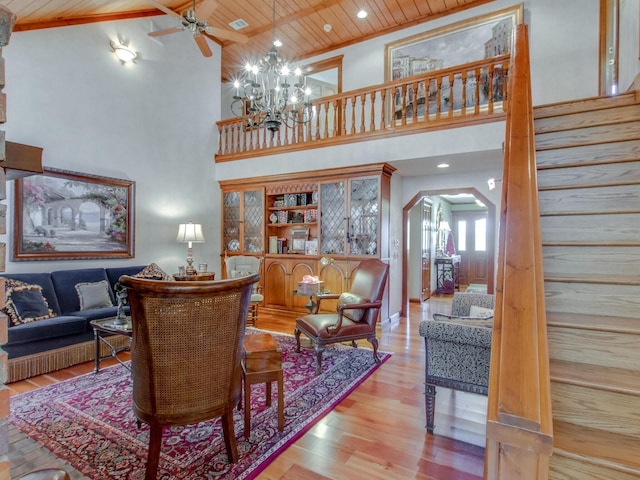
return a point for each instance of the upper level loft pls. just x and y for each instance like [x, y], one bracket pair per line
[467, 94]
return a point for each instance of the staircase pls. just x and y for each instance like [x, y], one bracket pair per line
[588, 162]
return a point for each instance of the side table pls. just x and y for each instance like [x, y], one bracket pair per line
[102, 330]
[262, 363]
[195, 278]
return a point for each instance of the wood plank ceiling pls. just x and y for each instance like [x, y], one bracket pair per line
[300, 24]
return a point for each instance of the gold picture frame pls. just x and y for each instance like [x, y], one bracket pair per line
[438, 49]
[62, 215]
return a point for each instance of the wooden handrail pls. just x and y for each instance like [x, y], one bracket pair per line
[519, 422]
[464, 94]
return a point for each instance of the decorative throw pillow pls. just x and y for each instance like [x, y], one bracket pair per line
[153, 272]
[94, 295]
[480, 312]
[348, 298]
[474, 321]
[25, 303]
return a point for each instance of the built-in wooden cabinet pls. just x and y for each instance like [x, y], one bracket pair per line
[295, 220]
[243, 221]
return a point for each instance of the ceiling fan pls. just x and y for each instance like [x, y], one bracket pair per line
[198, 26]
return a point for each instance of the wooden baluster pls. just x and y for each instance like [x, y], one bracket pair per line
[438, 96]
[363, 98]
[452, 98]
[414, 102]
[463, 107]
[344, 117]
[478, 74]
[352, 131]
[372, 123]
[403, 110]
[383, 107]
[318, 113]
[335, 128]
[491, 88]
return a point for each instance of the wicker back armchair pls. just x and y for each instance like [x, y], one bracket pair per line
[186, 354]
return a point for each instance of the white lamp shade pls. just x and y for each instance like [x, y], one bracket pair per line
[444, 226]
[190, 232]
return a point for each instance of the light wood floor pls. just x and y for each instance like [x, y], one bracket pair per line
[378, 431]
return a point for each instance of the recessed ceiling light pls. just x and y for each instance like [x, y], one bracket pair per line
[443, 165]
[327, 27]
[362, 14]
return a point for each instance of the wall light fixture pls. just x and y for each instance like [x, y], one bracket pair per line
[123, 52]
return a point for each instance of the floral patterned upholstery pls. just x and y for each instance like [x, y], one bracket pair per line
[457, 354]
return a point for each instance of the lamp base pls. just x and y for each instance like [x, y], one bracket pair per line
[190, 270]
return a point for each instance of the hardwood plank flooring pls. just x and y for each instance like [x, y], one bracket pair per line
[377, 432]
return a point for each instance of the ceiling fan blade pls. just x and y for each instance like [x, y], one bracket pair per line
[202, 45]
[165, 31]
[166, 10]
[206, 8]
[223, 34]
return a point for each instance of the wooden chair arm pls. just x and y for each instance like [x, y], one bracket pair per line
[334, 329]
[321, 296]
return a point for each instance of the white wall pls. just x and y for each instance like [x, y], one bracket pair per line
[155, 123]
[151, 122]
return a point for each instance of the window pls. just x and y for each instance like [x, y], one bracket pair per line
[462, 235]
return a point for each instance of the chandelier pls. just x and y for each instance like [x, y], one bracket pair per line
[265, 94]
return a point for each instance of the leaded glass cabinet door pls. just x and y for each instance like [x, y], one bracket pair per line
[243, 221]
[364, 214]
[253, 221]
[333, 217]
[231, 221]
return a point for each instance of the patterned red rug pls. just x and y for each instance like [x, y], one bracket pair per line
[88, 421]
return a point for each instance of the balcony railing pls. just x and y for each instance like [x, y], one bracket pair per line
[465, 94]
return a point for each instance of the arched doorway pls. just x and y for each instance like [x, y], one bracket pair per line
[406, 233]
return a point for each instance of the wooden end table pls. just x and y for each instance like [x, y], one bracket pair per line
[102, 330]
[195, 278]
[262, 364]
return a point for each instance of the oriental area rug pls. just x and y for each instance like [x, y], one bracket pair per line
[88, 422]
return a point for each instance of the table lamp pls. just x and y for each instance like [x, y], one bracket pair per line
[190, 233]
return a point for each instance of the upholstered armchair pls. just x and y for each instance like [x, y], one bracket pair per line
[458, 348]
[186, 354]
[357, 314]
[240, 265]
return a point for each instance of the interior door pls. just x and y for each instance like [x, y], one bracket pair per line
[426, 249]
[470, 233]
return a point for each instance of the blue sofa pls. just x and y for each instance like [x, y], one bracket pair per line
[66, 339]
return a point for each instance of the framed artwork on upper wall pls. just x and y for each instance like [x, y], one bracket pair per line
[477, 38]
[62, 215]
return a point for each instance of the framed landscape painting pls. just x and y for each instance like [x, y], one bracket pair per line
[61, 215]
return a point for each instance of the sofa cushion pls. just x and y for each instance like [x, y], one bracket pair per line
[47, 328]
[476, 321]
[25, 303]
[480, 312]
[98, 313]
[65, 281]
[94, 295]
[42, 279]
[348, 298]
